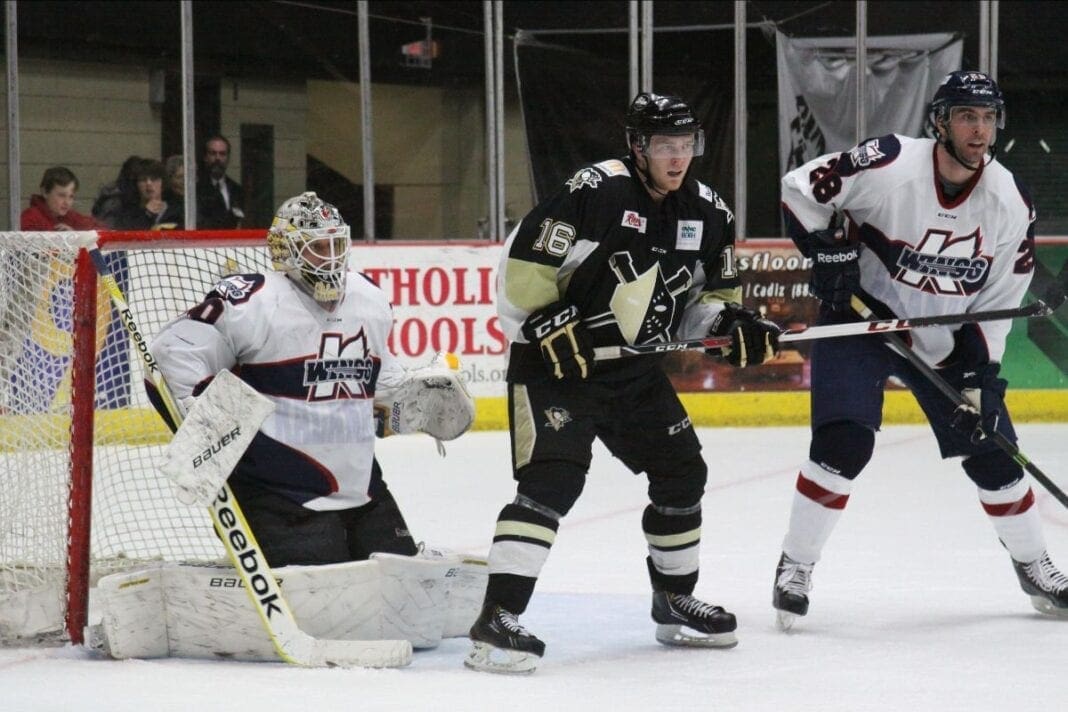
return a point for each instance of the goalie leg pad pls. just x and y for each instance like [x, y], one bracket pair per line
[203, 611]
[414, 598]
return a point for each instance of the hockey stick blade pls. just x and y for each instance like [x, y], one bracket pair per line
[1038, 308]
[291, 643]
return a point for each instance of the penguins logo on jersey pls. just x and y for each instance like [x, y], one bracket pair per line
[643, 305]
[585, 176]
[557, 418]
[944, 264]
[344, 369]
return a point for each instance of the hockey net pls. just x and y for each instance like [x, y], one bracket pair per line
[80, 495]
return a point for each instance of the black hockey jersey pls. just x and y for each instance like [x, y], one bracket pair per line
[638, 272]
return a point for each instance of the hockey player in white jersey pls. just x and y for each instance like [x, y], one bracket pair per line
[931, 227]
[312, 338]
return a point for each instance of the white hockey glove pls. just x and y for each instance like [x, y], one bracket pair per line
[216, 432]
[431, 399]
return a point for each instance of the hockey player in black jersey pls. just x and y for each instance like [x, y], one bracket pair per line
[628, 251]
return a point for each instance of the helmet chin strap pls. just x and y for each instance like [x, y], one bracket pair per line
[948, 145]
[646, 176]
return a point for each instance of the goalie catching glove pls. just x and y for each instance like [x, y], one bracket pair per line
[431, 400]
[753, 340]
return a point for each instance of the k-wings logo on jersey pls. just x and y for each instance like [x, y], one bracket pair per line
[344, 369]
[585, 176]
[943, 264]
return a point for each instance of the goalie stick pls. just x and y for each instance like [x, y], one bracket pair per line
[1011, 449]
[1039, 308]
[291, 643]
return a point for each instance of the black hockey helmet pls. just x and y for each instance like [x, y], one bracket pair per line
[964, 88]
[651, 114]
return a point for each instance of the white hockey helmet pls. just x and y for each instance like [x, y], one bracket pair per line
[310, 242]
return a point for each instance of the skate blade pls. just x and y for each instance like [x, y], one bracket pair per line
[488, 658]
[687, 637]
[784, 620]
[1044, 606]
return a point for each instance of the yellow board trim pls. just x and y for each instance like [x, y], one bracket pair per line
[763, 408]
[142, 426]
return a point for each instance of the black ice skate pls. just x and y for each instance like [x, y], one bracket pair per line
[1045, 584]
[501, 645]
[685, 620]
[793, 581]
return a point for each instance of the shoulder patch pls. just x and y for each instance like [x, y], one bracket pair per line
[587, 176]
[713, 197]
[612, 168]
[873, 153]
[238, 288]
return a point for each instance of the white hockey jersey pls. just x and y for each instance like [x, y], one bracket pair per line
[319, 368]
[922, 253]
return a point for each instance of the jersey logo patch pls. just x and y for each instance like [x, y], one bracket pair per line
[557, 418]
[585, 176]
[689, 234]
[866, 154]
[634, 220]
[344, 369]
[944, 264]
[237, 288]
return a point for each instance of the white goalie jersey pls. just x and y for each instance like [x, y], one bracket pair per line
[922, 253]
[321, 370]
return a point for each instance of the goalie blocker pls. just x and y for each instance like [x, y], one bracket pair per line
[222, 421]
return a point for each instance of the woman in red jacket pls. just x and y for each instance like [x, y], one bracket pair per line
[52, 209]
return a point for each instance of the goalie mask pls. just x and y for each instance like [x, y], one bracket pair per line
[309, 241]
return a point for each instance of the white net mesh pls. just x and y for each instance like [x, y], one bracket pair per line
[135, 516]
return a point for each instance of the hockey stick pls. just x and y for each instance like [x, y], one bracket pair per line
[898, 344]
[1039, 308]
[291, 643]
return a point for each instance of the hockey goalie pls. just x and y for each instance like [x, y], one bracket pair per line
[283, 381]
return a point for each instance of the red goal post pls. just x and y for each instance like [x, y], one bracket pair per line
[80, 496]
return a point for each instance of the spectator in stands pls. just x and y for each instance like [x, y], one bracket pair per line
[52, 208]
[151, 212]
[118, 196]
[174, 184]
[174, 188]
[220, 200]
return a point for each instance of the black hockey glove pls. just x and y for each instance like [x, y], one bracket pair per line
[835, 273]
[753, 340]
[565, 345]
[984, 396]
